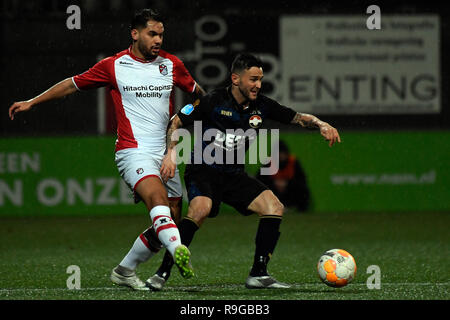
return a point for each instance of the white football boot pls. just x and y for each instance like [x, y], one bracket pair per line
[156, 282]
[131, 281]
[264, 282]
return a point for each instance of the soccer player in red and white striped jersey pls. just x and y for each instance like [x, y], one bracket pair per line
[141, 82]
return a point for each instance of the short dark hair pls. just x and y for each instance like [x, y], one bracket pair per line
[141, 18]
[245, 61]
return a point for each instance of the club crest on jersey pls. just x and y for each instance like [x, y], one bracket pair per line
[140, 171]
[255, 121]
[163, 69]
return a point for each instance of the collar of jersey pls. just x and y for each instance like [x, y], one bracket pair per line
[137, 58]
[238, 106]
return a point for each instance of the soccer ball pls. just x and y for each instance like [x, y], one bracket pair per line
[336, 268]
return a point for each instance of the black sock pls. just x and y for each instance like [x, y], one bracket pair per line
[265, 241]
[187, 229]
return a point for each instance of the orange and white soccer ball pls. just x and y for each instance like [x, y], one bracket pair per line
[336, 268]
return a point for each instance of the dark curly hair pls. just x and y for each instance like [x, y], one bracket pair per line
[245, 61]
[141, 18]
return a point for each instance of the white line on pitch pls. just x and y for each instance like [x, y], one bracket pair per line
[223, 286]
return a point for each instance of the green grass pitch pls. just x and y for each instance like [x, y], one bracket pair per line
[411, 249]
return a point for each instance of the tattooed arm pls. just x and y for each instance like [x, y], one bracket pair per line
[169, 165]
[309, 121]
[171, 136]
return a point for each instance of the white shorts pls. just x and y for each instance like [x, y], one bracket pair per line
[136, 165]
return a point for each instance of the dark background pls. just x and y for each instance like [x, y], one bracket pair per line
[38, 50]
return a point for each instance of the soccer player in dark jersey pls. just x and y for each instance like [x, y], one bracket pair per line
[239, 106]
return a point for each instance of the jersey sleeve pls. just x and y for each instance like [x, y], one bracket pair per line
[279, 112]
[181, 76]
[193, 111]
[100, 75]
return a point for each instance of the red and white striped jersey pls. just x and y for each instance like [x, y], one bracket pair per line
[142, 93]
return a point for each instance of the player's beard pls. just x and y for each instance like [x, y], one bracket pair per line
[145, 52]
[246, 94]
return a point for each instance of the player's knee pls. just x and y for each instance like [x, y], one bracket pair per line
[274, 207]
[152, 193]
[268, 204]
[199, 209]
[277, 208]
[199, 213]
[153, 199]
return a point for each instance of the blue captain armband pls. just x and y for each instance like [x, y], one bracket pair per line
[187, 109]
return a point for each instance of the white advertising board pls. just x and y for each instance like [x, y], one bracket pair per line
[336, 65]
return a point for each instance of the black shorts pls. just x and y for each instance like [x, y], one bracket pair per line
[235, 189]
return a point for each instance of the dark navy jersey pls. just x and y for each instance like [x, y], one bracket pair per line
[228, 128]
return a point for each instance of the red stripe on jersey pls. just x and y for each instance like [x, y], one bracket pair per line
[166, 226]
[125, 137]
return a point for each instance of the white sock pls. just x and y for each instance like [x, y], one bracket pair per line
[138, 253]
[165, 228]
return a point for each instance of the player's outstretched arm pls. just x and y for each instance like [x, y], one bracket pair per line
[59, 90]
[169, 165]
[309, 121]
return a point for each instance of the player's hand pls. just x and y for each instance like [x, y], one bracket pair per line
[330, 134]
[19, 107]
[168, 166]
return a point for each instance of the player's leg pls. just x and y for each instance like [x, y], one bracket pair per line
[142, 250]
[144, 247]
[154, 195]
[249, 195]
[139, 168]
[175, 205]
[199, 187]
[270, 210]
[175, 197]
[174, 189]
[135, 166]
[198, 211]
[163, 232]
